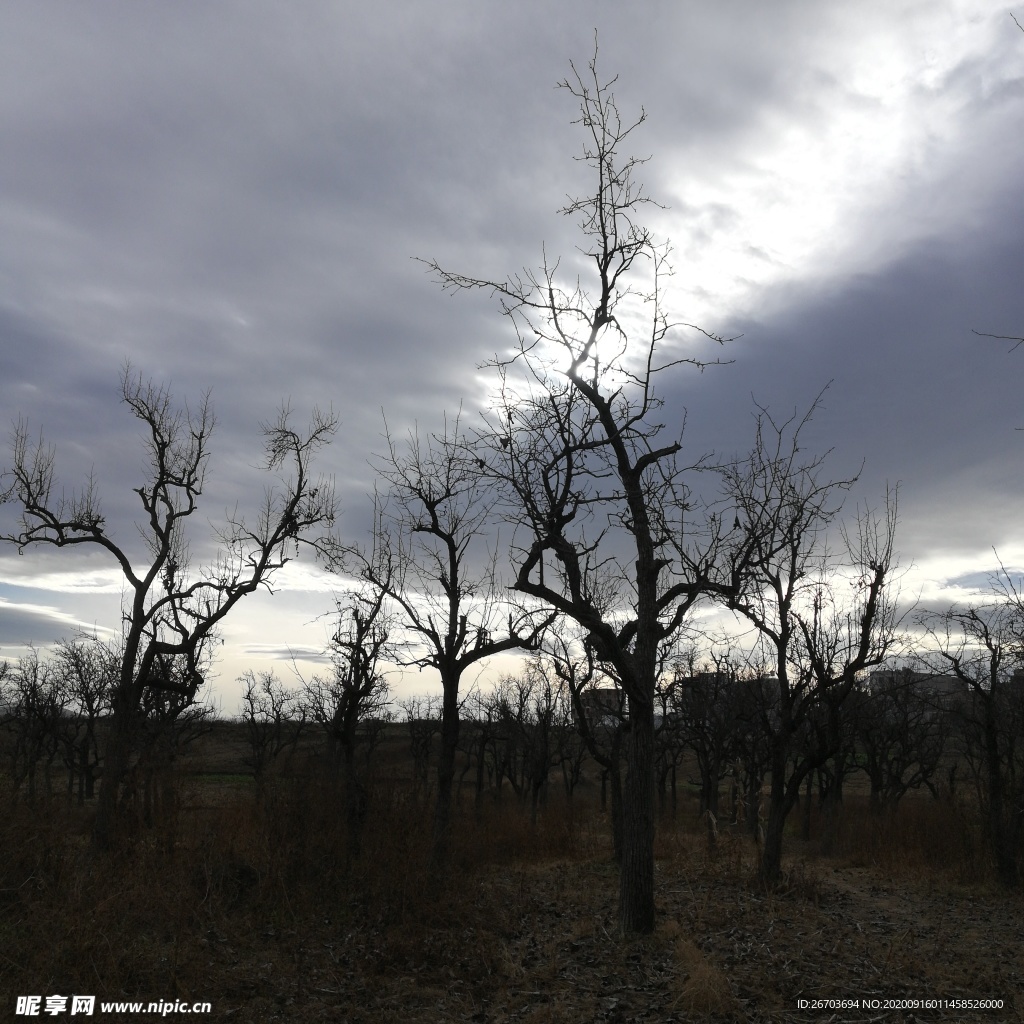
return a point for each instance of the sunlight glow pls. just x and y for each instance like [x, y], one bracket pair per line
[808, 197]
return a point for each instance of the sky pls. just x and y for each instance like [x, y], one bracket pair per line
[233, 197]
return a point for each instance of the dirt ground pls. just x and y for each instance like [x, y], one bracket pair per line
[537, 944]
[245, 914]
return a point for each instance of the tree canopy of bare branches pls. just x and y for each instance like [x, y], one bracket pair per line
[430, 558]
[821, 617]
[982, 645]
[596, 494]
[172, 609]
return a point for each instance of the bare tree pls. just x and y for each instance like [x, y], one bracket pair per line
[813, 639]
[88, 669]
[430, 559]
[34, 702]
[901, 732]
[531, 709]
[353, 702]
[703, 703]
[982, 645]
[273, 717]
[169, 720]
[596, 496]
[482, 739]
[600, 715]
[423, 721]
[171, 612]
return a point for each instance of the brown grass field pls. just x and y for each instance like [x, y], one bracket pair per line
[253, 909]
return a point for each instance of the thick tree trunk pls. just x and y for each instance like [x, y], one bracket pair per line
[445, 776]
[999, 835]
[115, 765]
[778, 810]
[636, 875]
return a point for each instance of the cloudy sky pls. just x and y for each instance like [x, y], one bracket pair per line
[230, 194]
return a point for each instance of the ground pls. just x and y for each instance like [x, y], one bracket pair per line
[249, 902]
[536, 943]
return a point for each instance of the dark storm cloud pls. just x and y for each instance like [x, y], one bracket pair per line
[231, 195]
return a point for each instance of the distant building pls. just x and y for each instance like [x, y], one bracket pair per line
[943, 690]
[603, 707]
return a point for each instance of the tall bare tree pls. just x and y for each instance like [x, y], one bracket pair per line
[171, 611]
[352, 704]
[597, 496]
[274, 718]
[431, 558]
[821, 618]
[982, 645]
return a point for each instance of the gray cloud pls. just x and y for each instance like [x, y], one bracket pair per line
[230, 195]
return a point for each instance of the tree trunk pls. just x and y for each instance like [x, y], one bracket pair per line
[355, 808]
[875, 794]
[445, 776]
[778, 810]
[832, 812]
[753, 808]
[1002, 850]
[535, 789]
[834, 804]
[480, 768]
[808, 794]
[83, 771]
[115, 764]
[636, 875]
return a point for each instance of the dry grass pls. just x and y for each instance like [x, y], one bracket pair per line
[701, 987]
[255, 909]
[920, 835]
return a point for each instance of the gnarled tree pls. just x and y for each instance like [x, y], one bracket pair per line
[171, 611]
[352, 704]
[821, 619]
[430, 559]
[597, 496]
[983, 647]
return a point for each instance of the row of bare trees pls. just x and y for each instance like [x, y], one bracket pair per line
[55, 718]
[572, 503]
[172, 608]
[572, 524]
